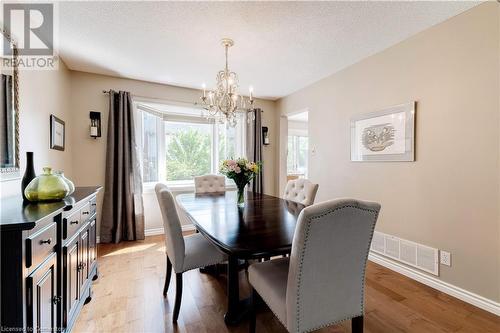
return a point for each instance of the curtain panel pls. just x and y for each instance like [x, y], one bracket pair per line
[123, 212]
[254, 149]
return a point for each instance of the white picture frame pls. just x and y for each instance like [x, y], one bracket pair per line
[385, 135]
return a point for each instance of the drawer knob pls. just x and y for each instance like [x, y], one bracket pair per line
[93, 204]
[48, 241]
[56, 299]
[85, 213]
[74, 222]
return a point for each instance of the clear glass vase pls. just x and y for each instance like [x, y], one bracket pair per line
[68, 182]
[241, 196]
[46, 187]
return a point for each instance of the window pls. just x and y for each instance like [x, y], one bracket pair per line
[188, 150]
[297, 155]
[179, 144]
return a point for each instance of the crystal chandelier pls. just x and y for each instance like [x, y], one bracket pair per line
[223, 103]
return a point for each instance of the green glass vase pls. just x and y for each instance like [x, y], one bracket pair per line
[46, 187]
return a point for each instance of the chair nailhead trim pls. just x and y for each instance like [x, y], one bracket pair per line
[302, 254]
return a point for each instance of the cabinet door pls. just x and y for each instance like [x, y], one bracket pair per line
[92, 244]
[84, 261]
[42, 297]
[71, 278]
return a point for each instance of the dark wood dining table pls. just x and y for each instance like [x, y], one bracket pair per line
[264, 227]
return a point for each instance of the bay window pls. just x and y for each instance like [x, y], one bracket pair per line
[178, 143]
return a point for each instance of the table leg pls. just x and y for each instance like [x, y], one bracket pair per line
[235, 311]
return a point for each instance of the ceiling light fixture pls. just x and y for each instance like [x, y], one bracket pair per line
[223, 103]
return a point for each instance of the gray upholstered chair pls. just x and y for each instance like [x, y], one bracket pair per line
[322, 282]
[209, 184]
[183, 253]
[301, 191]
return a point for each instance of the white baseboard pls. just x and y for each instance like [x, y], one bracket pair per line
[433, 282]
[159, 231]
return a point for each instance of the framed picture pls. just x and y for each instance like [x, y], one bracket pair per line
[385, 135]
[57, 133]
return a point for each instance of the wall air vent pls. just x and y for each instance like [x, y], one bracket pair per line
[392, 247]
[408, 252]
[417, 255]
[378, 242]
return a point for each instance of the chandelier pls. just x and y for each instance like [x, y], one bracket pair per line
[223, 103]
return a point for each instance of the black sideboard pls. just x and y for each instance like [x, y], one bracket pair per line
[48, 261]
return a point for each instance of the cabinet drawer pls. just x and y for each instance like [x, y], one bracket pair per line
[71, 224]
[40, 245]
[93, 205]
[85, 212]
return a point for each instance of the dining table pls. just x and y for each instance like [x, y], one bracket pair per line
[263, 227]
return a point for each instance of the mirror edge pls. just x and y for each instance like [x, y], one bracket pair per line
[13, 172]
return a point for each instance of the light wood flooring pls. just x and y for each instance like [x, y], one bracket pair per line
[128, 298]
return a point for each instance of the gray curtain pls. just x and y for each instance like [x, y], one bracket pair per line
[254, 149]
[123, 213]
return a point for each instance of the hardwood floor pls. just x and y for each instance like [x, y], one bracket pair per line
[128, 298]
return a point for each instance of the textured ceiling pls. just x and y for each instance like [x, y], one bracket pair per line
[280, 46]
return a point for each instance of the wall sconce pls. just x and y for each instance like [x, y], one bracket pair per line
[95, 124]
[265, 135]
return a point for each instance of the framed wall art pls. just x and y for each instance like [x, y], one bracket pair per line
[385, 135]
[57, 133]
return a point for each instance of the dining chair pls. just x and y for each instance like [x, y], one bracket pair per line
[209, 184]
[322, 282]
[301, 191]
[183, 253]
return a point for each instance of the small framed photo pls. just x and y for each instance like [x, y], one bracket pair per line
[57, 133]
[385, 135]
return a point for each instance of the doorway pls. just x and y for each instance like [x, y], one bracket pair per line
[297, 146]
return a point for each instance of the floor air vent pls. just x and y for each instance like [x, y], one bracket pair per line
[417, 255]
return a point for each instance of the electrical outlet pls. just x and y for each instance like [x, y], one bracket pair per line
[445, 258]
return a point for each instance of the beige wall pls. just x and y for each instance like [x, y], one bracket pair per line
[449, 197]
[89, 155]
[41, 94]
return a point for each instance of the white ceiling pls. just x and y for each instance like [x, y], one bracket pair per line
[280, 46]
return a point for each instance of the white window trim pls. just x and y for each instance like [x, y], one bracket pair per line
[187, 186]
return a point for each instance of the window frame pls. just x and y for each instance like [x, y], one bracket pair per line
[185, 185]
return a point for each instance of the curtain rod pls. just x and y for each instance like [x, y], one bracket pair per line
[195, 104]
[153, 99]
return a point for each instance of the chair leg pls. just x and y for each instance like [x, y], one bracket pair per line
[357, 324]
[167, 277]
[178, 296]
[253, 314]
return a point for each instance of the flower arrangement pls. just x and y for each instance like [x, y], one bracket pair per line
[242, 171]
